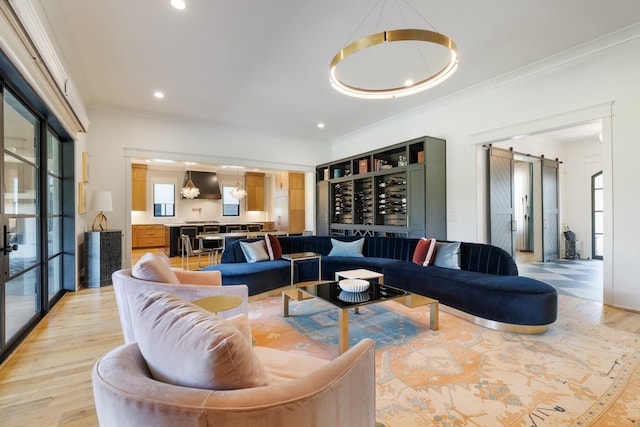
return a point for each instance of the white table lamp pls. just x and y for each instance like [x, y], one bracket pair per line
[101, 201]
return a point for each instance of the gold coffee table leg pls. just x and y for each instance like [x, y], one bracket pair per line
[343, 330]
[434, 316]
[414, 300]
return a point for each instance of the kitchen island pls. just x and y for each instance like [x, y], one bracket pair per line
[230, 232]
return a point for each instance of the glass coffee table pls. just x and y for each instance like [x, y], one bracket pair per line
[329, 291]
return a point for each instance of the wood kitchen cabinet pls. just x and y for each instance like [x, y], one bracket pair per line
[254, 182]
[138, 187]
[289, 203]
[147, 235]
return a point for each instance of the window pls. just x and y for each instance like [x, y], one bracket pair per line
[164, 199]
[597, 221]
[230, 205]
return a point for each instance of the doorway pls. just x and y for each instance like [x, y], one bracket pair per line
[580, 207]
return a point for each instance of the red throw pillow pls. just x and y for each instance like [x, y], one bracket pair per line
[425, 252]
[273, 246]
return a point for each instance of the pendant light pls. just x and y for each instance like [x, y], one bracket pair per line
[238, 192]
[190, 191]
[431, 40]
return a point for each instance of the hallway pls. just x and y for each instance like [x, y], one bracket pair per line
[580, 278]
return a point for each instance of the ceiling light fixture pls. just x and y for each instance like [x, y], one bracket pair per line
[321, 125]
[238, 192]
[158, 94]
[190, 191]
[409, 86]
[178, 4]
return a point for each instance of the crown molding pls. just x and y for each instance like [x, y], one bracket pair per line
[27, 45]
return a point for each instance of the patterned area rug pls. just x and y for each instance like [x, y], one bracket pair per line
[574, 375]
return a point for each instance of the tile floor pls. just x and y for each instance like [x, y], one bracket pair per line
[579, 278]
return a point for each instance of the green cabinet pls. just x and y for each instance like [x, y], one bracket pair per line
[395, 191]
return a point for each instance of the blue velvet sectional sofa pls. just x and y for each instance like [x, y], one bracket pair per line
[486, 289]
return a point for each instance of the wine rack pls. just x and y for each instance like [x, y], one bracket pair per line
[398, 190]
[391, 199]
[342, 202]
[363, 199]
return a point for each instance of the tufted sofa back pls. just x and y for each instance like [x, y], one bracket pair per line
[478, 257]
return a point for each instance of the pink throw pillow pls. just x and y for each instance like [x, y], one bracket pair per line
[151, 267]
[185, 345]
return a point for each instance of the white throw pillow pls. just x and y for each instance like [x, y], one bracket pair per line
[188, 346]
[254, 251]
[151, 267]
[346, 249]
[447, 255]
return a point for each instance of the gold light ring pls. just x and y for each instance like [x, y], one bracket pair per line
[394, 36]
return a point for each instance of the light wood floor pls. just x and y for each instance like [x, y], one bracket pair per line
[47, 380]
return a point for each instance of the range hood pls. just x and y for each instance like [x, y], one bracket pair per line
[207, 183]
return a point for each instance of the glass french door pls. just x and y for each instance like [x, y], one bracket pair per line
[21, 252]
[30, 220]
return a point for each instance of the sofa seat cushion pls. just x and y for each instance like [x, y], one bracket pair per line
[509, 299]
[259, 277]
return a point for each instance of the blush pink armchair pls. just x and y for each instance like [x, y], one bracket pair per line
[193, 285]
[300, 390]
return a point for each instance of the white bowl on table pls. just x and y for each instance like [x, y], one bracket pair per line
[354, 297]
[354, 285]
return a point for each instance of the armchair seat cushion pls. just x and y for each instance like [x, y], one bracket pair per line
[284, 366]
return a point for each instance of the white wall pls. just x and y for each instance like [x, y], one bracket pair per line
[581, 160]
[115, 137]
[571, 86]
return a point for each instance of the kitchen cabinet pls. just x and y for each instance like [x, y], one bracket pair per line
[289, 209]
[138, 187]
[254, 182]
[147, 235]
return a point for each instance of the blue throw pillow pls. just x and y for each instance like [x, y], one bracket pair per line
[447, 255]
[255, 251]
[346, 249]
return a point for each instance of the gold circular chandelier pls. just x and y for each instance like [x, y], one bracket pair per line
[391, 36]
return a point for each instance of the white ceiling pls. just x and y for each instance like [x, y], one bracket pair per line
[264, 64]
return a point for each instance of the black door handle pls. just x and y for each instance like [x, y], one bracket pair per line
[8, 247]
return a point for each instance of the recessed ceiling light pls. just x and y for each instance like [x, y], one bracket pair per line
[158, 94]
[178, 4]
[408, 83]
[164, 161]
[321, 125]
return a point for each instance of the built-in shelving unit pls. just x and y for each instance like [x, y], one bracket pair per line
[395, 191]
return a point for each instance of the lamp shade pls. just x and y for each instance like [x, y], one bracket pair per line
[101, 201]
